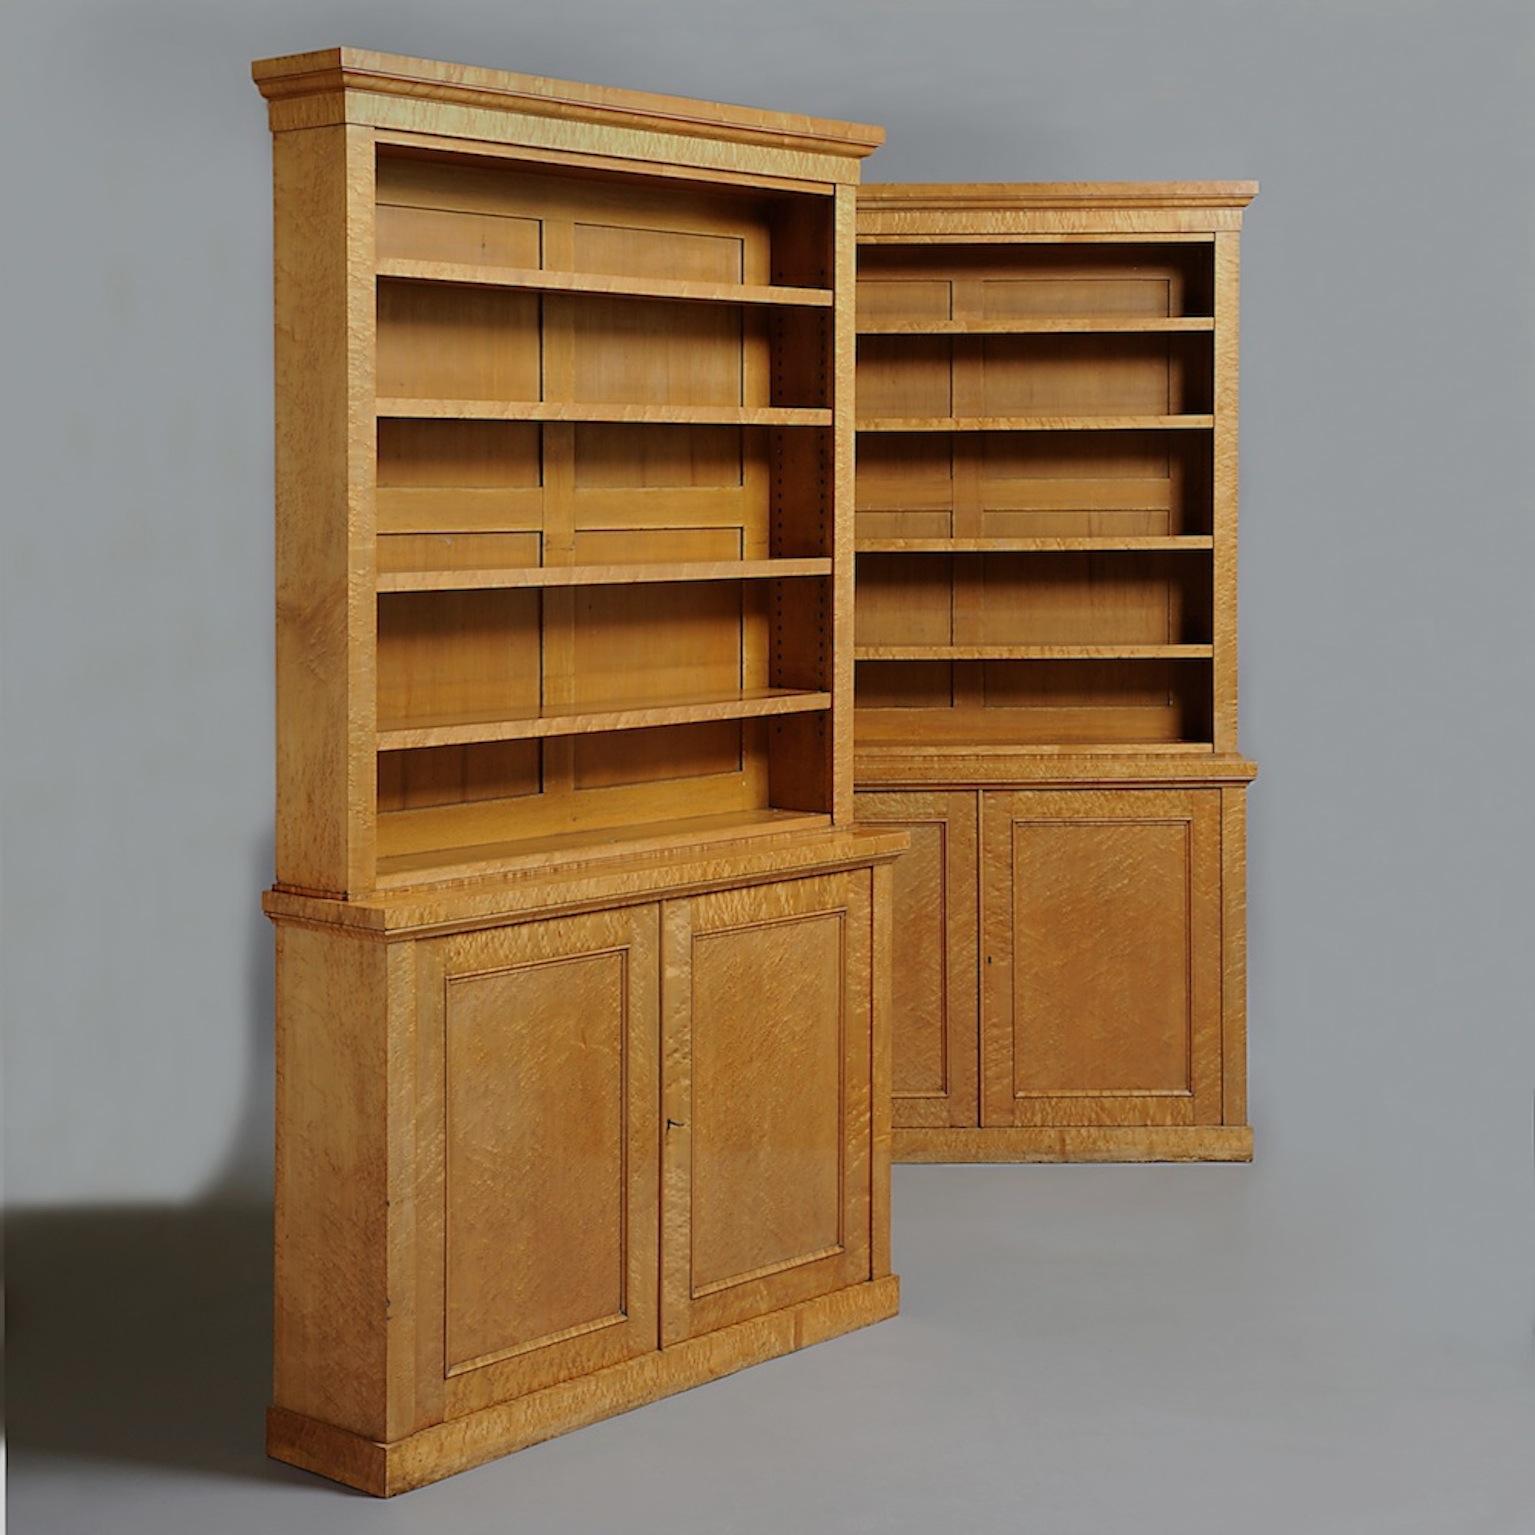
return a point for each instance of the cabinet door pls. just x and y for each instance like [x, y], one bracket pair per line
[934, 975]
[1101, 948]
[767, 1094]
[538, 1124]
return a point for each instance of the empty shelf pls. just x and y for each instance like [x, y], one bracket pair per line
[608, 284]
[545, 410]
[1034, 423]
[1040, 325]
[1033, 652]
[560, 720]
[598, 575]
[1182, 543]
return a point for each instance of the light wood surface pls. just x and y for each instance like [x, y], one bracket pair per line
[602, 575]
[934, 964]
[1095, 423]
[1046, 629]
[579, 1034]
[385, 1469]
[472, 275]
[1077, 1143]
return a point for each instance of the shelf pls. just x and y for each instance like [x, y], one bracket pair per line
[603, 284]
[1180, 544]
[1035, 423]
[1040, 325]
[750, 703]
[1033, 652]
[599, 575]
[543, 410]
[660, 836]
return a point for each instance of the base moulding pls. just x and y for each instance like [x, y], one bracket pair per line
[445, 1448]
[1075, 1143]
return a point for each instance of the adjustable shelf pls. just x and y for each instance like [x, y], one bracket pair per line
[600, 575]
[1085, 544]
[547, 410]
[1104, 423]
[1042, 325]
[604, 284]
[749, 703]
[1033, 652]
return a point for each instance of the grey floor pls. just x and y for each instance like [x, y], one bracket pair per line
[1081, 1349]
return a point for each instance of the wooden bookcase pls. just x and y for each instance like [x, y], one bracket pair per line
[1046, 663]
[564, 612]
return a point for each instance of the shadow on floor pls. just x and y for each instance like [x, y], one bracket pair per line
[141, 1333]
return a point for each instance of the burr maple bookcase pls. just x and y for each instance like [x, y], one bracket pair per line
[1046, 662]
[564, 567]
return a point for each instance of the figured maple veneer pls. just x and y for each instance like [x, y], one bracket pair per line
[768, 1099]
[1046, 604]
[934, 965]
[582, 967]
[1101, 1002]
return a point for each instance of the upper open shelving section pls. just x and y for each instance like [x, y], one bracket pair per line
[1046, 473]
[564, 511]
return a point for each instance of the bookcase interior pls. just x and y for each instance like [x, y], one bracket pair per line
[604, 510]
[1034, 520]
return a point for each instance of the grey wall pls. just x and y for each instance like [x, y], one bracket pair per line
[1388, 539]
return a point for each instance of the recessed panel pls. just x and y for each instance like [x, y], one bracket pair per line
[443, 342]
[1101, 957]
[767, 1050]
[920, 963]
[632, 352]
[535, 1174]
[673, 254]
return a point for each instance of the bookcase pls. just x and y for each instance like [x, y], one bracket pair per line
[1046, 662]
[581, 960]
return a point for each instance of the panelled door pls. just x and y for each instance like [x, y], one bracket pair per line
[538, 1052]
[933, 971]
[1101, 957]
[766, 1093]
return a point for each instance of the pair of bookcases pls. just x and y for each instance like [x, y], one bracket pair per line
[605, 981]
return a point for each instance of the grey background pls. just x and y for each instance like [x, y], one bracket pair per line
[1338, 1338]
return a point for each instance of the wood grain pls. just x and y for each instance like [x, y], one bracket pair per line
[431, 1454]
[565, 567]
[1046, 603]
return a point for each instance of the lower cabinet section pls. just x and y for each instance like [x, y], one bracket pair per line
[1081, 950]
[630, 1148]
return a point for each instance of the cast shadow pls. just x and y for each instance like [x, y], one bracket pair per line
[142, 1332]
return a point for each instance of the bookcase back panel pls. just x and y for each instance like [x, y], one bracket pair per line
[457, 343]
[1073, 375]
[1040, 599]
[977, 282]
[634, 352]
[449, 775]
[1033, 484]
[1035, 703]
[448, 655]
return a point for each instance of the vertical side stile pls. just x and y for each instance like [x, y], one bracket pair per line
[1224, 503]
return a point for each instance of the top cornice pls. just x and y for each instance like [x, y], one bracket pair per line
[911, 197]
[333, 70]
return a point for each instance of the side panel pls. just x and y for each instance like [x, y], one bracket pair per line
[1101, 958]
[323, 288]
[538, 1132]
[934, 971]
[768, 1099]
[342, 1304]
